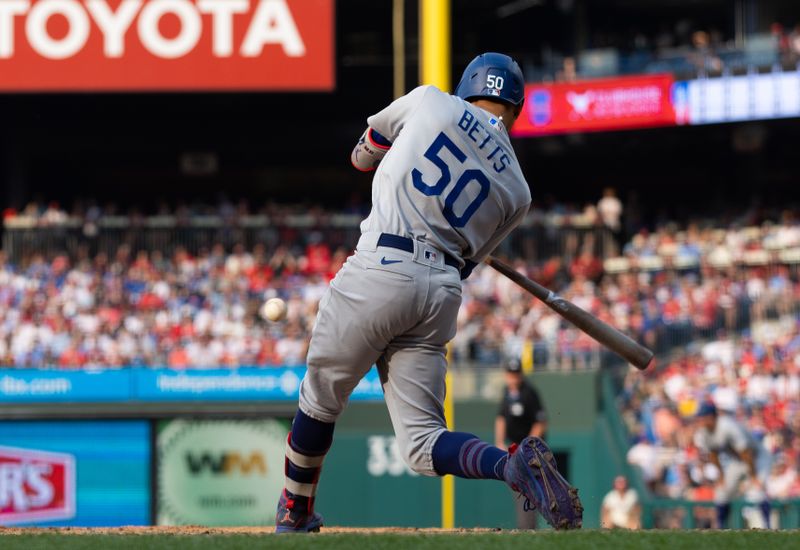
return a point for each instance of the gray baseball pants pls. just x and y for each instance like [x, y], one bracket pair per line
[398, 310]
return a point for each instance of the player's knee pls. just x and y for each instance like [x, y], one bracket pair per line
[417, 451]
[415, 459]
[312, 403]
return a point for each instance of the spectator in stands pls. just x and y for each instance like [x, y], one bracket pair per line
[568, 72]
[151, 307]
[620, 508]
[610, 209]
[782, 482]
[794, 45]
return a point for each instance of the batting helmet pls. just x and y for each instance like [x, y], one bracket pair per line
[493, 76]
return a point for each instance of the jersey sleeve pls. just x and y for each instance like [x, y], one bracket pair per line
[736, 436]
[391, 120]
[500, 234]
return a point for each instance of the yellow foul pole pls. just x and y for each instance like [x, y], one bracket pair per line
[449, 482]
[434, 68]
[434, 54]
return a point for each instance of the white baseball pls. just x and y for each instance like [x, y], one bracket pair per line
[274, 309]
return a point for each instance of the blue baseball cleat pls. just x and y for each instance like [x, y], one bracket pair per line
[531, 470]
[293, 516]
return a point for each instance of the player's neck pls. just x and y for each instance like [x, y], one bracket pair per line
[499, 110]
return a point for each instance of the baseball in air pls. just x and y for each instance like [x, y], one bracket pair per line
[274, 309]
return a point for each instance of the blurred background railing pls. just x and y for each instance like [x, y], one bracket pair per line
[702, 54]
[538, 238]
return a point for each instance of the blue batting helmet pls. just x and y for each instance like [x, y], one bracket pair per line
[492, 76]
[706, 409]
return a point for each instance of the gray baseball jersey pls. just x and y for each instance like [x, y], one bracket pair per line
[450, 182]
[729, 439]
[450, 178]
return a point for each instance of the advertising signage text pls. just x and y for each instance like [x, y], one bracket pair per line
[594, 105]
[160, 45]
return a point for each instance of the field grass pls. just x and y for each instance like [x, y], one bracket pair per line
[617, 540]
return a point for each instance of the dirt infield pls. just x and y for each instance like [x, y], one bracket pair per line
[194, 530]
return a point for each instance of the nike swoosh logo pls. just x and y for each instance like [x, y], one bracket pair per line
[384, 261]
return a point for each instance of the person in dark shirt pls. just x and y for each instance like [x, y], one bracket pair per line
[521, 414]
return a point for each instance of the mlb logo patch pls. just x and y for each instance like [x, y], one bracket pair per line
[431, 256]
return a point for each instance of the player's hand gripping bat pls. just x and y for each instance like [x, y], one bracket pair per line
[639, 356]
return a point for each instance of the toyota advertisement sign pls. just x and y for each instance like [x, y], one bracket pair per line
[164, 45]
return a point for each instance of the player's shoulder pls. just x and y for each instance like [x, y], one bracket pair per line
[426, 89]
[432, 94]
[421, 92]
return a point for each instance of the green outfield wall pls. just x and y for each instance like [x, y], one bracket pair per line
[221, 462]
[366, 483]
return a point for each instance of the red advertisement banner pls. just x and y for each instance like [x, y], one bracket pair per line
[36, 485]
[593, 105]
[162, 45]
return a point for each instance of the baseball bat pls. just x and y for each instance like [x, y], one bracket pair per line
[636, 354]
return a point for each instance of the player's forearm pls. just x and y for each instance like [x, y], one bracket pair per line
[369, 151]
[538, 429]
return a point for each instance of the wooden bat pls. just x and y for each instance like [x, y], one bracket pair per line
[619, 343]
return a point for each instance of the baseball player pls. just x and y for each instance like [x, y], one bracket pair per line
[447, 189]
[735, 454]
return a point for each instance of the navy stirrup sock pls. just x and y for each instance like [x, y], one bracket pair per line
[464, 455]
[306, 446]
[723, 511]
[311, 436]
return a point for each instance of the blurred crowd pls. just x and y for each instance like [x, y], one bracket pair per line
[88, 212]
[200, 309]
[751, 245]
[755, 379]
[162, 302]
[669, 287]
[682, 47]
[144, 308]
[663, 309]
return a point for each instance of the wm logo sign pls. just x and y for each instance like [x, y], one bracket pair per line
[226, 463]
